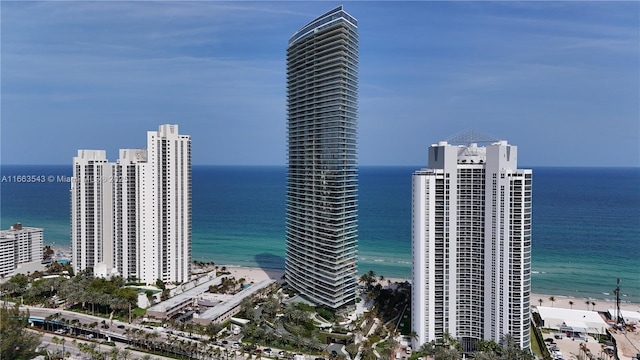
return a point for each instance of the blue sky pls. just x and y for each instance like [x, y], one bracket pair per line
[559, 79]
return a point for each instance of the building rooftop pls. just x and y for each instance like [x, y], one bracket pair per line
[555, 317]
[188, 295]
[226, 306]
[325, 20]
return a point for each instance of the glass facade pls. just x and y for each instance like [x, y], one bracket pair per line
[322, 178]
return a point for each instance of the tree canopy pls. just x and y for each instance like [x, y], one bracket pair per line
[17, 343]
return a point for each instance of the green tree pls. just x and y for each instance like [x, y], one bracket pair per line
[368, 278]
[512, 351]
[160, 284]
[17, 342]
[21, 280]
[444, 348]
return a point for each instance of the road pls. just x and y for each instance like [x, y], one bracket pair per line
[69, 347]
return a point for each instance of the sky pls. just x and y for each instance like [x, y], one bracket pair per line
[561, 80]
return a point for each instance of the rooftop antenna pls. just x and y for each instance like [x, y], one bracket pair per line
[471, 136]
[619, 317]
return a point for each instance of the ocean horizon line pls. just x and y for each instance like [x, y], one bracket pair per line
[239, 210]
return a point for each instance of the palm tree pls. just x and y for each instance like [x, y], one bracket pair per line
[571, 303]
[413, 335]
[368, 278]
[588, 303]
[479, 355]
[593, 306]
[552, 299]
[540, 302]
[113, 353]
[124, 354]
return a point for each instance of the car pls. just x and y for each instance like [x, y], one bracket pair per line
[235, 345]
[281, 353]
[334, 353]
[120, 326]
[224, 342]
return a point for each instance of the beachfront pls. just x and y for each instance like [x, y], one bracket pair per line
[628, 341]
[256, 274]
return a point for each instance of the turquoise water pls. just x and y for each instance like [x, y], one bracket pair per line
[586, 221]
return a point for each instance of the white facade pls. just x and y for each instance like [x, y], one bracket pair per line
[19, 245]
[133, 217]
[125, 175]
[164, 197]
[471, 234]
[91, 210]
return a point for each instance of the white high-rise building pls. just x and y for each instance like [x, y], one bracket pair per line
[471, 240]
[91, 210]
[164, 204]
[133, 217]
[125, 231]
[19, 245]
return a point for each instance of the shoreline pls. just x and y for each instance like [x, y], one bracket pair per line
[561, 300]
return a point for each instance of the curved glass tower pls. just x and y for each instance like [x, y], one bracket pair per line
[322, 175]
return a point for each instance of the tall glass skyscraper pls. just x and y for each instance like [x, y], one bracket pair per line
[322, 176]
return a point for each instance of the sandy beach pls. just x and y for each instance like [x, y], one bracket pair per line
[628, 342]
[254, 274]
[563, 302]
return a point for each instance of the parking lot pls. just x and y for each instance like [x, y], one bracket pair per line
[568, 348]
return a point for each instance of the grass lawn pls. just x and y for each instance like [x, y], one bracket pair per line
[535, 346]
[405, 322]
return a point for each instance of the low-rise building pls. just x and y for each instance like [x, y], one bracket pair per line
[226, 309]
[19, 245]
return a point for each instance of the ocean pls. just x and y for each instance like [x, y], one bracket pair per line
[586, 221]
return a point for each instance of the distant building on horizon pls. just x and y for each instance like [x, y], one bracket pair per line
[322, 174]
[471, 244]
[133, 218]
[19, 245]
